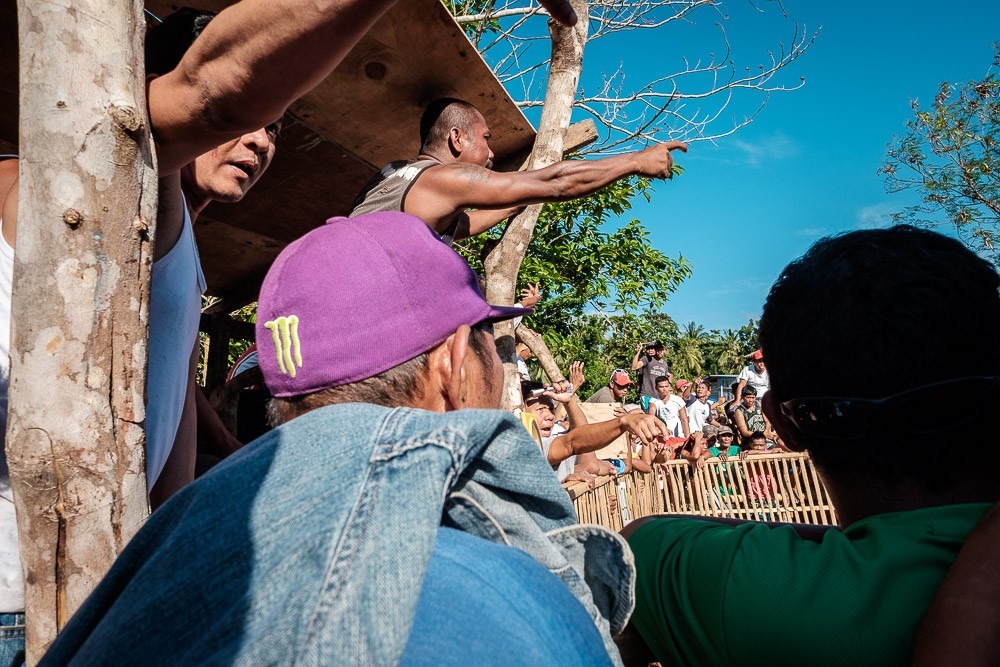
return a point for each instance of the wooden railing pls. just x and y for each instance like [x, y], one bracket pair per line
[770, 487]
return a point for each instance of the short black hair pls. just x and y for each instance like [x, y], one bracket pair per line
[168, 41]
[749, 390]
[869, 304]
[440, 116]
[528, 386]
[660, 378]
[872, 313]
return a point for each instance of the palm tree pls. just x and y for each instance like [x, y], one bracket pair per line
[688, 358]
[728, 351]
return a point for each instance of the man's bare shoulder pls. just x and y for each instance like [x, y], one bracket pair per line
[457, 175]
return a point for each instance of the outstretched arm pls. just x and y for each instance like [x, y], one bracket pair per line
[444, 189]
[592, 437]
[253, 60]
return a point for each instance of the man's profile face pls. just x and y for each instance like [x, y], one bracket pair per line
[476, 148]
[618, 391]
[758, 366]
[227, 173]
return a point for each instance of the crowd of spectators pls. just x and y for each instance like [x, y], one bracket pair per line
[689, 423]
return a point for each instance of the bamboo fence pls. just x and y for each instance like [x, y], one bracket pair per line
[767, 487]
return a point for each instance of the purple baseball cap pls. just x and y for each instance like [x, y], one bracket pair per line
[359, 296]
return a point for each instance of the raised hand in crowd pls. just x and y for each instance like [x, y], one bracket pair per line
[576, 375]
[530, 296]
[561, 392]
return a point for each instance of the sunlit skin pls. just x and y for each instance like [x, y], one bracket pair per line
[476, 143]
[542, 410]
[664, 390]
[748, 400]
[701, 391]
[227, 173]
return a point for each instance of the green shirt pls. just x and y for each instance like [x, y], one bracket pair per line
[711, 594]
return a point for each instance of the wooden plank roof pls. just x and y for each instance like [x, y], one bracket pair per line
[364, 115]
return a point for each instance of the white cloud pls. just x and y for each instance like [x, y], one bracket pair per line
[743, 286]
[876, 216]
[814, 231]
[778, 146]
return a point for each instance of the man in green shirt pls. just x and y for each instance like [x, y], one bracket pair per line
[840, 329]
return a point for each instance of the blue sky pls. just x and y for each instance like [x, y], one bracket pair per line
[807, 165]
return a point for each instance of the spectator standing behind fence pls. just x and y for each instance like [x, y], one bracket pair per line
[614, 391]
[754, 375]
[750, 418]
[650, 367]
[699, 410]
[863, 304]
[670, 409]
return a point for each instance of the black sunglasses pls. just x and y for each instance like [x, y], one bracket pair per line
[842, 418]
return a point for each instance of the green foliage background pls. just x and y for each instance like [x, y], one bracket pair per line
[950, 155]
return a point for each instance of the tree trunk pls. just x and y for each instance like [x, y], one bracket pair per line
[537, 345]
[504, 262]
[80, 308]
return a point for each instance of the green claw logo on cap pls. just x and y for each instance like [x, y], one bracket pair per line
[285, 332]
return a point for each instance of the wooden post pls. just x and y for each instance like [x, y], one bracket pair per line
[81, 301]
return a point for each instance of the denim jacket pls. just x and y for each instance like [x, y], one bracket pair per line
[309, 545]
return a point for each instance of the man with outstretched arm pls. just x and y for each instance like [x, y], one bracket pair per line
[453, 174]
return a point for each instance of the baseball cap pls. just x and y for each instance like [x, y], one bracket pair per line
[681, 384]
[621, 378]
[725, 430]
[757, 355]
[359, 296]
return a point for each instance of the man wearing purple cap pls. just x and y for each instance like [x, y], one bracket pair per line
[385, 519]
